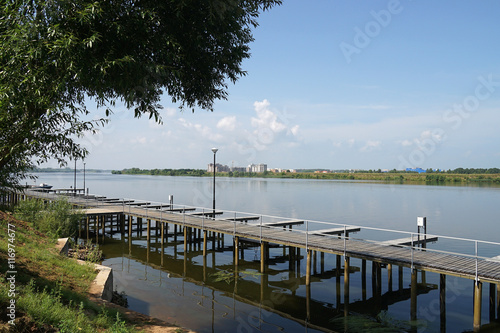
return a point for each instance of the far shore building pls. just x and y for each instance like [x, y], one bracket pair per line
[218, 168]
[257, 168]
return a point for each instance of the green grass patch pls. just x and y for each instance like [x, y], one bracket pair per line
[50, 289]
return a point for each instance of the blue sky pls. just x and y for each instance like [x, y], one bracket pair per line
[339, 85]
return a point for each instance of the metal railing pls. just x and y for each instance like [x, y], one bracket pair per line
[470, 248]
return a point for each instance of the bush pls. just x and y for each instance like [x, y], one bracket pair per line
[56, 218]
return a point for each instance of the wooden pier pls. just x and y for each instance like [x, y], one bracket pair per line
[252, 228]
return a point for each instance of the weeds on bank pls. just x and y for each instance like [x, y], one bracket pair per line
[51, 290]
[56, 219]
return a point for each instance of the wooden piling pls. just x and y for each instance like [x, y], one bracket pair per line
[492, 301]
[263, 252]
[346, 286]
[162, 232]
[130, 226]
[478, 289]
[363, 279]
[185, 242]
[236, 250]
[88, 231]
[498, 301]
[103, 225]
[308, 268]
[442, 302]
[389, 276]
[400, 277]
[204, 245]
[148, 229]
[413, 301]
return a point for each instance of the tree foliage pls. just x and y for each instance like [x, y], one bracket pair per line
[57, 54]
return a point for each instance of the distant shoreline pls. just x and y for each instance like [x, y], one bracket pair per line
[395, 177]
[443, 178]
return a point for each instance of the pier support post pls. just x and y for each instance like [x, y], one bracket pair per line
[291, 258]
[442, 302]
[96, 229]
[236, 250]
[103, 227]
[308, 268]
[478, 289]
[363, 279]
[413, 301]
[148, 230]
[389, 276]
[130, 226]
[162, 231]
[315, 261]
[204, 244]
[498, 301]
[400, 278]
[88, 222]
[346, 286]
[263, 258]
[492, 302]
[379, 279]
[185, 241]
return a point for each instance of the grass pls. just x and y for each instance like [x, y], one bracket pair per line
[51, 290]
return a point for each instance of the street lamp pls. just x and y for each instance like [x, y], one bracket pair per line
[74, 182]
[84, 188]
[215, 151]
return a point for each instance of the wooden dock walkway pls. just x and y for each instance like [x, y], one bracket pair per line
[400, 252]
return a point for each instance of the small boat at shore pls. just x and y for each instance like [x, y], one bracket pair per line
[44, 186]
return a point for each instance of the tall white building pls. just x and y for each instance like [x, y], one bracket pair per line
[257, 168]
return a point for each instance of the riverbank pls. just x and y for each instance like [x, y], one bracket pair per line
[43, 291]
[391, 176]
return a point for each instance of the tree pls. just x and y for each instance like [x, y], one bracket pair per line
[56, 55]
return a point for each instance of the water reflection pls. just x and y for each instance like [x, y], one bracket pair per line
[209, 293]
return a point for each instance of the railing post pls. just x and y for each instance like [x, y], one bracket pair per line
[345, 241]
[203, 219]
[411, 251]
[307, 236]
[477, 278]
[260, 229]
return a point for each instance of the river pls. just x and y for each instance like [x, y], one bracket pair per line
[174, 287]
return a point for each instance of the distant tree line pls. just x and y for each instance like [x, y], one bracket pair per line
[161, 172]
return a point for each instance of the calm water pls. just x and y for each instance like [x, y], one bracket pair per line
[185, 290]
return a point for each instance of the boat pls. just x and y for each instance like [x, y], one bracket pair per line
[44, 186]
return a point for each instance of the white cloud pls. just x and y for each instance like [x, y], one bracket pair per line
[266, 118]
[227, 123]
[170, 112]
[139, 139]
[370, 145]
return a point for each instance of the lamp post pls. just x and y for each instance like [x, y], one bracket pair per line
[74, 181]
[84, 188]
[215, 151]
